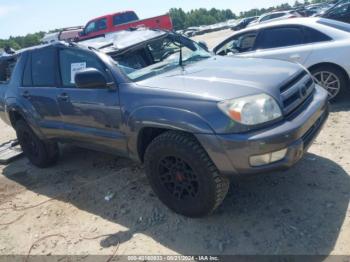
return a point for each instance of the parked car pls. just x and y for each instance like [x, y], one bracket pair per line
[192, 118]
[339, 13]
[65, 34]
[243, 23]
[122, 21]
[314, 9]
[321, 45]
[274, 16]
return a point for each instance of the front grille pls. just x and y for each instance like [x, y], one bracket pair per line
[296, 92]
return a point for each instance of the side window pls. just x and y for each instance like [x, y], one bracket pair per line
[265, 18]
[315, 36]
[239, 44]
[101, 24]
[6, 69]
[72, 61]
[276, 15]
[91, 27]
[27, 74]
[43, 67]
[281, 37]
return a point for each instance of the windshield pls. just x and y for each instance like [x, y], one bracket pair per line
[158, 56]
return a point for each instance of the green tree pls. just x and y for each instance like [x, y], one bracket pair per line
[197, 17]
[19, 42]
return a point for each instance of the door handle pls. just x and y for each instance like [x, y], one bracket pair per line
[26, 94]
[295, 57]
[63, 97]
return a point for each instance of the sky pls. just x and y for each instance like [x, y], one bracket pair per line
[19, 17]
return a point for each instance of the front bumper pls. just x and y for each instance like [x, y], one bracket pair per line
[231, 152]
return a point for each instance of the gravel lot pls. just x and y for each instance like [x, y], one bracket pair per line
[301, 211]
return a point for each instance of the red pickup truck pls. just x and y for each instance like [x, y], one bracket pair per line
[122, 21]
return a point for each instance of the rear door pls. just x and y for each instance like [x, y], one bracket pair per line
[38, 93]
[91, 117]
[284, 43]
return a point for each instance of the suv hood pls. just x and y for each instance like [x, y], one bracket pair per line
[221, 78]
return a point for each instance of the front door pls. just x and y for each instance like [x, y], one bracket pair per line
[91, 117]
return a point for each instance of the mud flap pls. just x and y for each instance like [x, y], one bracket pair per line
[10, 151]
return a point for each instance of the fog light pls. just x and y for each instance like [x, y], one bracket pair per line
[278, 155]
[268, 158]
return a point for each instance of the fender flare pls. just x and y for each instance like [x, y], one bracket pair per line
[11, 106]
[163, 118]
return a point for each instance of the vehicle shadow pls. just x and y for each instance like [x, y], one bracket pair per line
[341, 104]
[299, 211]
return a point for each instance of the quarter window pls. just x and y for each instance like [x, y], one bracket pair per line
[281, 37]
[315, 36]
[6, 69]
[72, 61]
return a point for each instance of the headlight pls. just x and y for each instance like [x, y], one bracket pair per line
[251, 110]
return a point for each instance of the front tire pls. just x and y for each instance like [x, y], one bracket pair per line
[183, 176]
[39, 152]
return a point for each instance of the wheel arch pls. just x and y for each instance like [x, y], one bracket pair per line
[147, 123]
[330, 64]
[14, 116]
[15, 113]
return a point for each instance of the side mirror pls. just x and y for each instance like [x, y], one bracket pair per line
[203, 45]
[90, 78]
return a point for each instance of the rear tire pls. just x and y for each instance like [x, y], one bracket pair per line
[332, 79]
[41, 153]
[183, 176]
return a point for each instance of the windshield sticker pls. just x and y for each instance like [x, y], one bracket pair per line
[74, 69]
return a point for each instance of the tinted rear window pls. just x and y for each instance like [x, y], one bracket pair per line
[124, 18]
[281, 37]
[314, 36]
[6, 69]
[337, 25]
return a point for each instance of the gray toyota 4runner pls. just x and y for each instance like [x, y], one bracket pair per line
[192, 118]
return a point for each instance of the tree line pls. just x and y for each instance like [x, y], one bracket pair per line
[180, 18]
[19, 42]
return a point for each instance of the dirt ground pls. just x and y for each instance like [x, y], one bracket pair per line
[301, 211]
